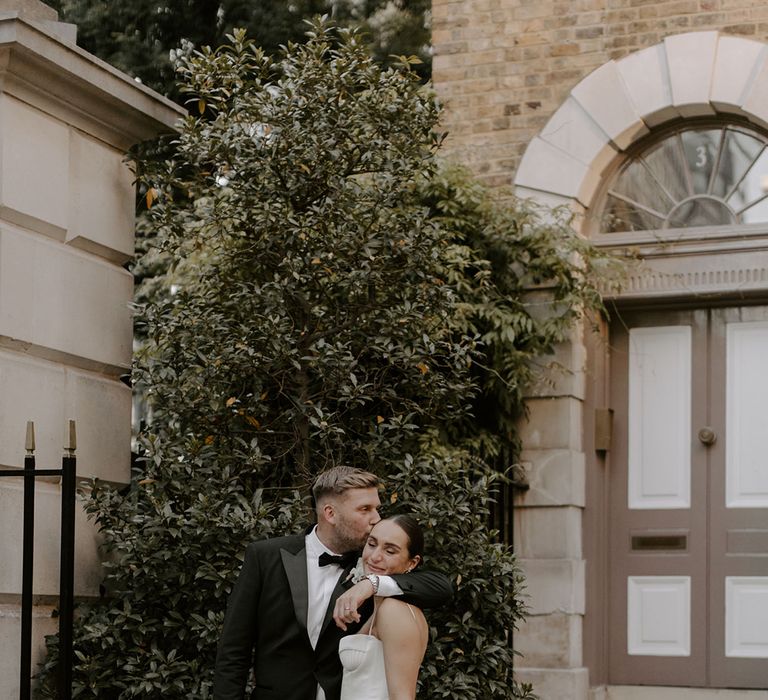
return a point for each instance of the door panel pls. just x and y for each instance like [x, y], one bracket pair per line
[746, 392]
[657, 534]
[659, 417]
[739, 499]
[688, 558]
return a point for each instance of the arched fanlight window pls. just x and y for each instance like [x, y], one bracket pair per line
[694, 176]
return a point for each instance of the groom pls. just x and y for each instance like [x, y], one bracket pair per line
[279, 615]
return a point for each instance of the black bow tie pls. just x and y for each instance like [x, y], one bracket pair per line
[343, 560]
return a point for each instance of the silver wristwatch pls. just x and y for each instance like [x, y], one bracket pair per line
[374, 579]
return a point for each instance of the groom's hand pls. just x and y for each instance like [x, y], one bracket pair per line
[347, 604]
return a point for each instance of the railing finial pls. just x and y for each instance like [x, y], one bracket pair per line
[70, 440]
[29, 445]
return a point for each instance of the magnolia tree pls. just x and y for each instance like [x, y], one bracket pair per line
[326, 296]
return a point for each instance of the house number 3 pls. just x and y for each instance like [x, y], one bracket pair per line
[701, 156]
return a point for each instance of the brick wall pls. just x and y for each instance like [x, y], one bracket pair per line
[502, 67]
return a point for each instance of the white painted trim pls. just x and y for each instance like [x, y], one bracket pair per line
[746, 388]
[659, 445]
[659, 616]
[746, 617]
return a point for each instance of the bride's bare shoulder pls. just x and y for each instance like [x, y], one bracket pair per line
[396, 610]
[401, 626]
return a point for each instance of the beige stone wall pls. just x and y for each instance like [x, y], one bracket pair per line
[548, 533]
[503, 67]
[66, 231]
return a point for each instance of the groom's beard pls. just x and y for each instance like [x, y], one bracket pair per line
[348, 538]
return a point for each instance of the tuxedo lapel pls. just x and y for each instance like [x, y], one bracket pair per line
[295, 566]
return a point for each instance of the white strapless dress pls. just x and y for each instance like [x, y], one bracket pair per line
[364, 678]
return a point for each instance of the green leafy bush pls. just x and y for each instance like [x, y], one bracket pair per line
[329, 295]
[470, 654]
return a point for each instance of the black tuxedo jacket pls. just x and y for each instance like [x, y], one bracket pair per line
[265, 627]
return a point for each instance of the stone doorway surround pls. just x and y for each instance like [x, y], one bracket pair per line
[687, 76]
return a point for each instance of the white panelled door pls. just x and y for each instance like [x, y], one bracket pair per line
[688, 557]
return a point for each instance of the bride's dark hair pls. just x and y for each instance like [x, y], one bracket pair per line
[410, 526]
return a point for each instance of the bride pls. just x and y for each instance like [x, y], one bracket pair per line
[382, 661]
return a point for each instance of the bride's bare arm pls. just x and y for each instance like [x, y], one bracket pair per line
[403, 633]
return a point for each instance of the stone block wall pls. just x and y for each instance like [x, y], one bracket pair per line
[503, 67]
[66, 231]
[548, 532]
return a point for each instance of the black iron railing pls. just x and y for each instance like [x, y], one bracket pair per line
[67, 561]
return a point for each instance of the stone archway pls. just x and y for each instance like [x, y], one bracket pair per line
[687, 76]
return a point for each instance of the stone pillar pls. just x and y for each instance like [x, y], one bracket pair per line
[548, 531]
[66, 232]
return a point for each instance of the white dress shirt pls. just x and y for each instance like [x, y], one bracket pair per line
[321, 580]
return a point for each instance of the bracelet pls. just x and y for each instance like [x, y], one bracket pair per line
[374, 579]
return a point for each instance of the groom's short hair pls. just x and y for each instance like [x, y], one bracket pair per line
[336, 480]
